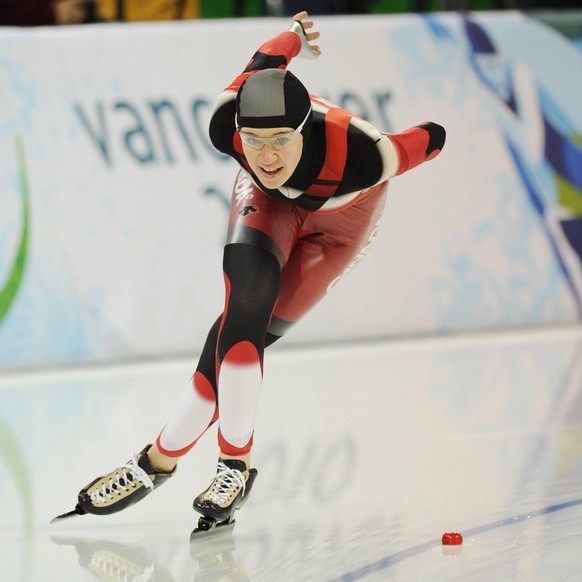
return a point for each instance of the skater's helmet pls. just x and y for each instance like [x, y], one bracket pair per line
[273, 98]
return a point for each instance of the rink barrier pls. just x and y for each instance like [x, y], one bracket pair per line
[113, 253]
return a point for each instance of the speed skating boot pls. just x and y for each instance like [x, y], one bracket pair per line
[122, 487]
[228, 491]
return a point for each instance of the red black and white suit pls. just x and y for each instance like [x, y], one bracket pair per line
[286, 247]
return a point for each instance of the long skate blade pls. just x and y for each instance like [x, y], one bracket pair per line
[218, 530]
[59, 518]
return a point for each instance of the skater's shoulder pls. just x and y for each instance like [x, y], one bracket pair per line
[331, 119]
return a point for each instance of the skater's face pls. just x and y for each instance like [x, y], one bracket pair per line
[273, 153]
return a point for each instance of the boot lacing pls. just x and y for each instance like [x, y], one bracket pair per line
[124, 477]
[229, 478]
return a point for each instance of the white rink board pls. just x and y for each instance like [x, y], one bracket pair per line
[127, 201]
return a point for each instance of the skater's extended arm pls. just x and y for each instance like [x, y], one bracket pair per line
[374, 157]
[412, 147]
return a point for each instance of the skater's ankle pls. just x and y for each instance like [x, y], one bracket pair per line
[160, 462]
[246, 458]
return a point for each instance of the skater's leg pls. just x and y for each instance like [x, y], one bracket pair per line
[252, 278]
[258, 245]
[268, 236]
[156, 463]
[252, 283]
[195, 412]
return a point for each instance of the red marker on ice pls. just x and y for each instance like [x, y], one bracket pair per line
[452, 539]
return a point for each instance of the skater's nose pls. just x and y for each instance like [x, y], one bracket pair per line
[267, 154]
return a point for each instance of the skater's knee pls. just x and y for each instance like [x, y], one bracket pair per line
[253, 275]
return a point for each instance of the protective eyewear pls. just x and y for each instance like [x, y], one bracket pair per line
[278, 142]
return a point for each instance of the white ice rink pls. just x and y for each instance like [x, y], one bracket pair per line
[366, 455]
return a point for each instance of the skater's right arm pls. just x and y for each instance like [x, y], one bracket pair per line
[276, 53]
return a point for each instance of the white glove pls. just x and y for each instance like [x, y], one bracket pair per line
[306, 51]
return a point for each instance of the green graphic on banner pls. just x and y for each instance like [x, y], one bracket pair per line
[12, 456]
[10, 289]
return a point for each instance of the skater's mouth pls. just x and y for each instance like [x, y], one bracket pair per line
[271, 172]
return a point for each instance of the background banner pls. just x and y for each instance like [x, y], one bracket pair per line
[113, 203]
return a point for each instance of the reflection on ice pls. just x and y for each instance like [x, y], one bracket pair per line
[366, 454]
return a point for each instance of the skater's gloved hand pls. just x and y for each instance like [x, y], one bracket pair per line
[300, 26]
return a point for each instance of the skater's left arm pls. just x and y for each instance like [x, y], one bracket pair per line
[406, 150]
[374, 157]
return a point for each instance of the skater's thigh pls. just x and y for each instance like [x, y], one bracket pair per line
[329, 247]
[260, 220]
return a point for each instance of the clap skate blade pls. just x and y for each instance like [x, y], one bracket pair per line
[68, 515]
[208, 528]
